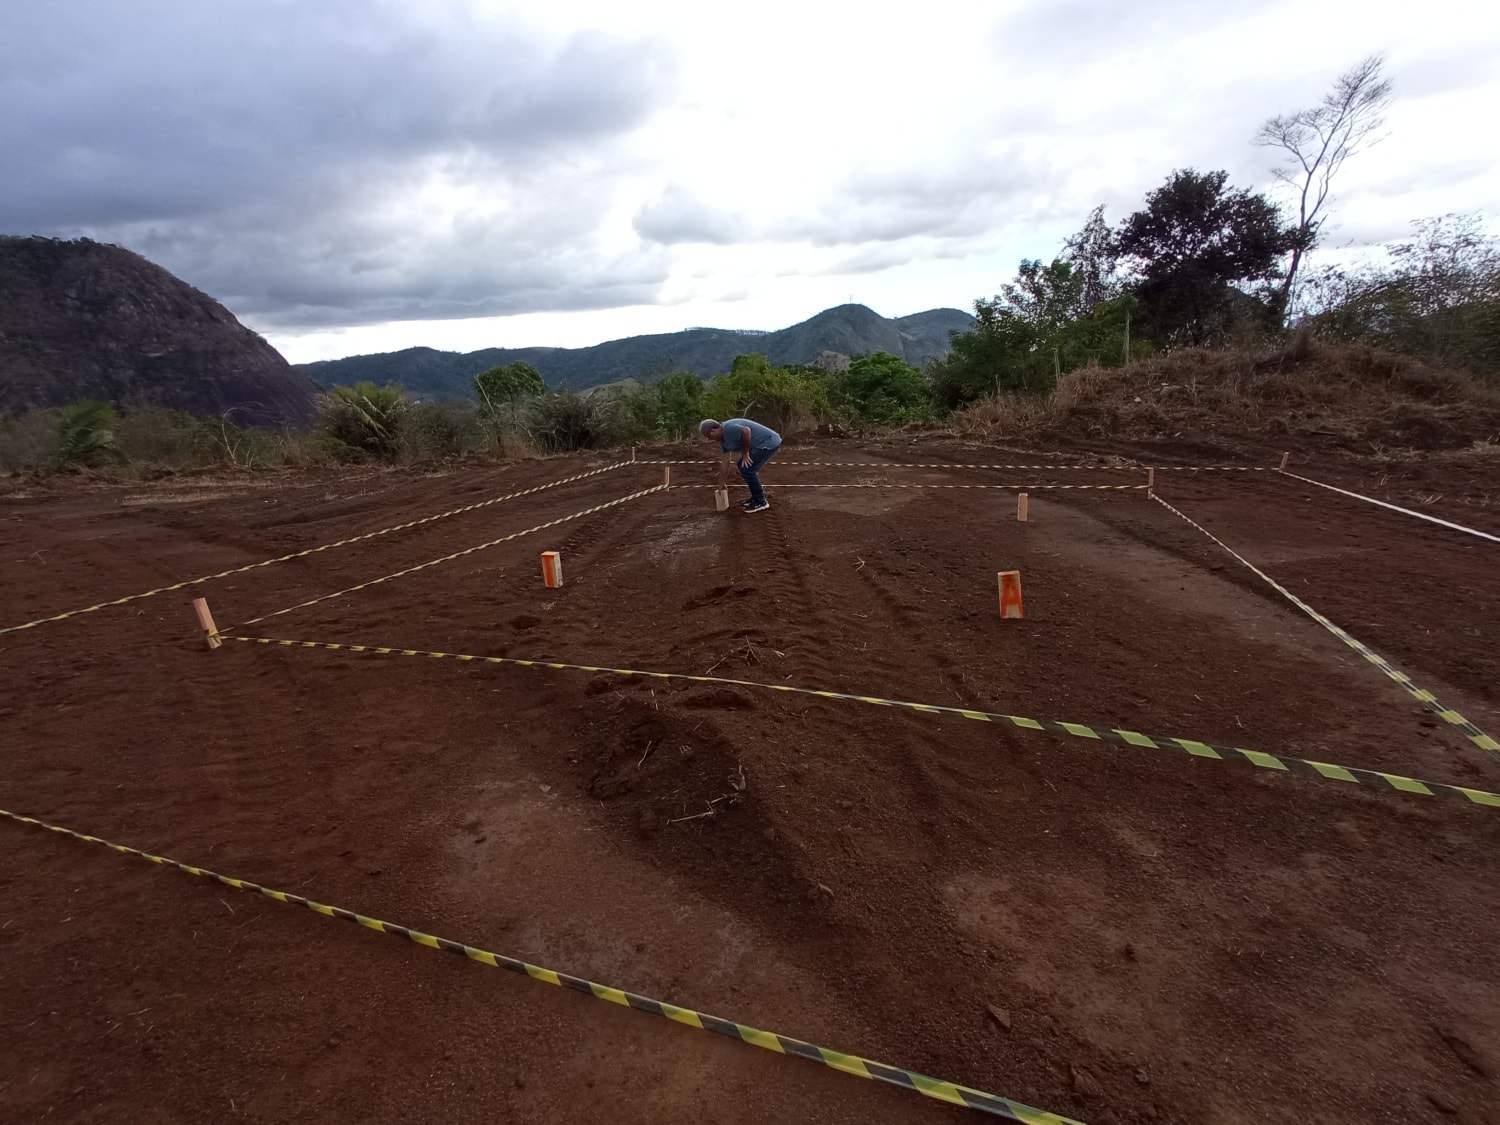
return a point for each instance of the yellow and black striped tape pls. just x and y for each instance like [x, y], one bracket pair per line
[1421, 695]
[309, 551]
[782, 1044]
[1010, 487]
[1302, 766]
[1018, 468]
[459, 554]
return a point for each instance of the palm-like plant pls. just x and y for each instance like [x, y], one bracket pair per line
[86, 433]
[367, 417]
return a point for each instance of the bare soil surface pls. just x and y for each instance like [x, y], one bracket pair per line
[1110, 933]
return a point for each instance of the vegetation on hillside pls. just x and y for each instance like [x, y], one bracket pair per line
[1197, 312]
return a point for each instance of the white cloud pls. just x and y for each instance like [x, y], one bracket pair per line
[379, 170]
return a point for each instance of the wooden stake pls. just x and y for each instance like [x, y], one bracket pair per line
[632, 455]
[1150, 479]
[1284, 458]
[666, 477]
[1021, 507]
[552, 569]
[721, 499]
[1010, 594]
[206, 619]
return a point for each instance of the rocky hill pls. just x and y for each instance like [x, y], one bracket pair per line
[79, 319]
[848, 330]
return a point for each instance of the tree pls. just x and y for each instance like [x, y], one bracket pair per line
[1438, 297]
[1194, 239]
[508, 384]
[87, 433]
[881, 389]
[1091, 253]
[1318, 140]
[365, 418]
[681, 398]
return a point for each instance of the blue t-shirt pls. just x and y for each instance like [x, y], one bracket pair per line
[762, 438]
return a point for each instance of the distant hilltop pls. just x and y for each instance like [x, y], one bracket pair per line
[847, 330]
[81, 319]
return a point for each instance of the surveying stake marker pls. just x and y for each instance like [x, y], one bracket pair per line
[552, 569]
[1284, 458]
[1010, 594]
[721, 499]
[1021, 506]
[666, 477]
[206, 619]
[1150, 479]
[632, 455]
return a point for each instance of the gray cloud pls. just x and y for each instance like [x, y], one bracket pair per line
[275, 153]
[927, 200]
[678, 216]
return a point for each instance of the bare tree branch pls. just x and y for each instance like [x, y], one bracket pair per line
[1317, 142]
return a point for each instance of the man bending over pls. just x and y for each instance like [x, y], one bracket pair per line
[749, 445]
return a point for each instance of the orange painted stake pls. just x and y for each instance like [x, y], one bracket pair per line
[206, 619]
[1010, 594]
[552, 569]
[1021, 507]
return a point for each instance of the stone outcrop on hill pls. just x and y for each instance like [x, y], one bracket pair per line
[80, 320]
[847, 330]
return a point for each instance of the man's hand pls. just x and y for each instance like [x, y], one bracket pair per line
[746, 459]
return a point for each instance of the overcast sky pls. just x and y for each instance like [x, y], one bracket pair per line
[353, 176]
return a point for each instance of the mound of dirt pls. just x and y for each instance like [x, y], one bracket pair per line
[1351, 396]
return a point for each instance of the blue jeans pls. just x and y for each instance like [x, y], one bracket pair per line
[752, 473]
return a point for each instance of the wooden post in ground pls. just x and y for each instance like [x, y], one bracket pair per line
[1021, 507]
[206, 619]
[1010, 594]
[666, 477]
[552, 569]
[632, 455]
[721, 499]
[1150, 479]
[1285, 457]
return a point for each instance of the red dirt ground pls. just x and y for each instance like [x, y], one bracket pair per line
[1170, 939]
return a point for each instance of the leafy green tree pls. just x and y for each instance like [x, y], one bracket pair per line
[1191, 245]
[780, 397]
[680, 395]
[881, 389]
[1095, 262]
[365, 420]
[86, 433]
[508, 384]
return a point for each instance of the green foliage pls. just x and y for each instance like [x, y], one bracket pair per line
[85, 434]
[882, 390]
[680, 405]
[363, 421]
[1189, 247]
[508, 384]
[783, 398]
[1437, 297]
[436, 431]
[562, 422]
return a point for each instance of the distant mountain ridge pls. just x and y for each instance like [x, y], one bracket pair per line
[82, 319]
[846, 329]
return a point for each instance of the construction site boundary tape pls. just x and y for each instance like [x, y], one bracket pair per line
[782, 1044]
[1421, 695]
[1396, 508]
[1302, 766]
[458, 554]
[1011, 487]
[309, 551]
[951, 465]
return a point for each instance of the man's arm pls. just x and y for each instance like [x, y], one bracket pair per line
[746, 457]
